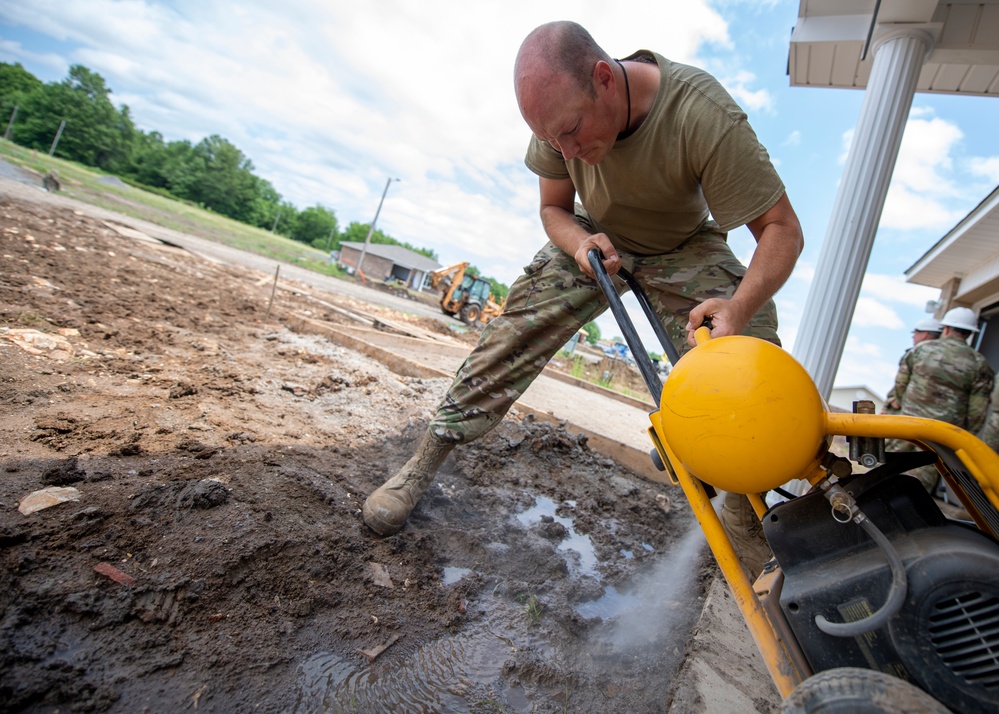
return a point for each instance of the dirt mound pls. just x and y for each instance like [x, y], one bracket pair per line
[215, 559]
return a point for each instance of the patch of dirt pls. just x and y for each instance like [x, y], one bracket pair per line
[214, 559]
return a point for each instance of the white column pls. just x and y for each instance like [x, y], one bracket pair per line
[898, 59]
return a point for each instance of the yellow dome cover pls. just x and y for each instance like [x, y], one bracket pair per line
[742, 415]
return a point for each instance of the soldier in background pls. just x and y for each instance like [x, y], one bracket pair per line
[947, 380]
[926, 329]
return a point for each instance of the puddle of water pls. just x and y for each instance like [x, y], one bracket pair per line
[575, 542]
[464, 673]
[609, 605]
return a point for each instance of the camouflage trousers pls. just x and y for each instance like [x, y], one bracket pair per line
[553, 299]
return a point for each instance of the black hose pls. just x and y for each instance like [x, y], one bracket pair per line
[896, 595]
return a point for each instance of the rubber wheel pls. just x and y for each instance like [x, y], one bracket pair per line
[854, 690]
[470, 314]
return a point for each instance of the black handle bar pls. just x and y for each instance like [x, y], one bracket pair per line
[642, 358]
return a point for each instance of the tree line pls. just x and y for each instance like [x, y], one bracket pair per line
[212, 173]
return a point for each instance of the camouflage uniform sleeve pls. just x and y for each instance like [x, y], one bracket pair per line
[902, 377]
[980, 398]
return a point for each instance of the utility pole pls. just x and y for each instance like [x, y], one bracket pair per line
[55, 142]
[10, 124]
[329, 241]
[276, 219]
[371, 230]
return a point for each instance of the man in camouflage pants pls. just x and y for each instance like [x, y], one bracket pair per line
[663, 162]
[947, 380]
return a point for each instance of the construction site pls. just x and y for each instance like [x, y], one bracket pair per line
[186, 445]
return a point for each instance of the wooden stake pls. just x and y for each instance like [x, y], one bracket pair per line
[273, 290]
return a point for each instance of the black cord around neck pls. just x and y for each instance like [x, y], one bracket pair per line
[627, 89]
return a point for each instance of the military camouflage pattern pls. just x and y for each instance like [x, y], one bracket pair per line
[553, 299]
[990, 432]
[891, 403]
[947, 380]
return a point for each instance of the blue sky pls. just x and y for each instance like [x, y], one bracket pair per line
[329, 99]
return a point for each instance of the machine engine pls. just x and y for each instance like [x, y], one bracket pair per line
[945, 637]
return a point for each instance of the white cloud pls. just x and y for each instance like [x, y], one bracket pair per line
[922, 182]
[846, 140]
[865, 364]
[986, 167]
[793, 139]
[874, 313]
[894, 289]
[739, 86]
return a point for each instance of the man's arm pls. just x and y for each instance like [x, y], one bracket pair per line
[559, 220]
[778, 244]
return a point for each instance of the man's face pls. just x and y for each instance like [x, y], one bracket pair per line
[567, 117]
[921, 336]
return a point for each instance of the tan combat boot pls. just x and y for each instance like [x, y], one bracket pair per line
[746, 533]
[386, 510]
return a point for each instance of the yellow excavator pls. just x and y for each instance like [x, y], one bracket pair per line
[464, 295]
[874, 600]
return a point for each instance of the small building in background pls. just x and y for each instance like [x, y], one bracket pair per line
[387, 262]
[844, 397]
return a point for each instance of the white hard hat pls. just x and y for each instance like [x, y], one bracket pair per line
[962, 318]
[928, 324]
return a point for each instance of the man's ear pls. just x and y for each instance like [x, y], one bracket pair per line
[603, 76]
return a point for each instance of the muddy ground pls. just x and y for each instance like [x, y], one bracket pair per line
[214, 559]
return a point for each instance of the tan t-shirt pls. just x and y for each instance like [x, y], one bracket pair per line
[694, 158]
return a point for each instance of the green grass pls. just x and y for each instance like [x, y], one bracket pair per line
[85, 184]
[533, 608]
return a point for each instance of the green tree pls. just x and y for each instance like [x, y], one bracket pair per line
[95, 133]
[265, 206]
[357, 232]
[592, 332]
[15, 79]
[285, 220]
[316, 226]
[15, 83]
[147, 156]
[227, 185]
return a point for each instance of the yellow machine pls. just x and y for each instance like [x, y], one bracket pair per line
[874, 601]
[465, 295]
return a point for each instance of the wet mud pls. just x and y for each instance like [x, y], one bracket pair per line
[214, 559]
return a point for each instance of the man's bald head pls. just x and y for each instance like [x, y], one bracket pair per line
[557, 48]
